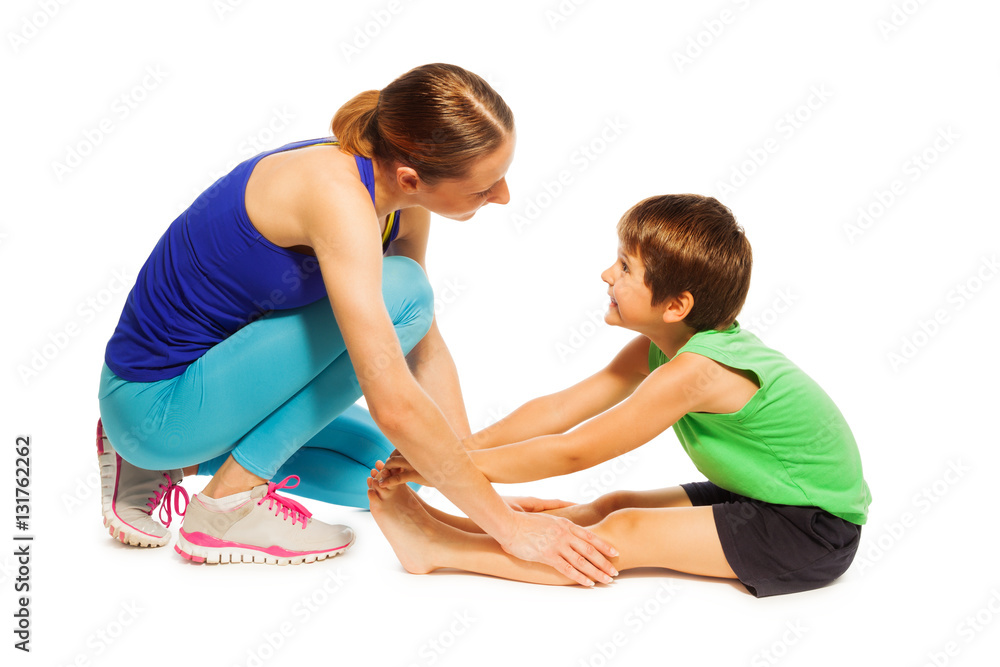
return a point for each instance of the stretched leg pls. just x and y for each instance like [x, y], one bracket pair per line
[679, 538]
[584, 514]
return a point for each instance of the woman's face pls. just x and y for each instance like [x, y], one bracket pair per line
[459, 199]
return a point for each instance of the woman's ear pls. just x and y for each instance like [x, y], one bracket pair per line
[408, 180]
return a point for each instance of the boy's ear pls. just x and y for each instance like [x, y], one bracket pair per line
[677, 308]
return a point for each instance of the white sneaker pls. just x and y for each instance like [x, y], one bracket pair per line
[129, 495]
[266, 528]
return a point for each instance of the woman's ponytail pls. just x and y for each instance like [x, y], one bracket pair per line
[437, 118]
[355, 125]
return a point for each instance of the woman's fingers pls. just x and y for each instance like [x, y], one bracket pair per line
[575, 552]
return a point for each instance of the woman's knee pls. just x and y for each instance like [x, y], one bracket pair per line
[408, 296]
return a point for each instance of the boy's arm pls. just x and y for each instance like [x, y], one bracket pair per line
[556, 413]
[669, 393]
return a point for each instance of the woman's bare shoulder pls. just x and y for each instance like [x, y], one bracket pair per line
[287, 192]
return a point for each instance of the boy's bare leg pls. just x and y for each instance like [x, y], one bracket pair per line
[679, 538]
[584, 514]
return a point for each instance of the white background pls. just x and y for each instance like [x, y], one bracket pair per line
[808, 111]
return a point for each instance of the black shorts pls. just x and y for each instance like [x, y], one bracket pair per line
[776, 549]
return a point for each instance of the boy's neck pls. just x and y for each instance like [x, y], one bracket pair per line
[672, 337]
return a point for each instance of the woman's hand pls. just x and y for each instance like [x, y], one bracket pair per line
[574, 552]
[530, 504]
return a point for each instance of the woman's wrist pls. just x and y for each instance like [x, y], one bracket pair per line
[502, 525]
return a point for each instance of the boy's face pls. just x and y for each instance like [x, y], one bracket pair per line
[631, 300]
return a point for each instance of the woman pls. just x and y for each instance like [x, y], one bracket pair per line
[267, 310]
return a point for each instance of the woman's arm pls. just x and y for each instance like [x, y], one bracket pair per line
[556, 413]
[338, 223]
[430, 361]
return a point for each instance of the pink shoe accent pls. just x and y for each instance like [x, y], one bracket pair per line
[194, 559]
[100, 437]
[286, 505]
[164, 493]
[203, 540]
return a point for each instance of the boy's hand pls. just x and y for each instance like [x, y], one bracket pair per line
[529, 504]
[397, 470]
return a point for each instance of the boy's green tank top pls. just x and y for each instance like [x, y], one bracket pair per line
[789, 445]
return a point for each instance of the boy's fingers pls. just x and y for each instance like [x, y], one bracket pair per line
[391, 480]
[542, 505]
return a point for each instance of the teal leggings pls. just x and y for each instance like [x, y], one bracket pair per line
[278, 395]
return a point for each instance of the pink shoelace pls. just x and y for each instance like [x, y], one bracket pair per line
[286, 506]
[167, 492]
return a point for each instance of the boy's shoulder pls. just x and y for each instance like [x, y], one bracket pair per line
[710, 368]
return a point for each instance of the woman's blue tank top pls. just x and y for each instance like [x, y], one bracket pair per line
[211, 274]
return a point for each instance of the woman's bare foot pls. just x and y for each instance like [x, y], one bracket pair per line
[415, 536]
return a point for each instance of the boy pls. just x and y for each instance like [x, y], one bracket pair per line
[783, 508]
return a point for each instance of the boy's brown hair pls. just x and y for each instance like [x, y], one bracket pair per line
[691, 243]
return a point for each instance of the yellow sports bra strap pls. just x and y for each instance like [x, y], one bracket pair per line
[390, 221]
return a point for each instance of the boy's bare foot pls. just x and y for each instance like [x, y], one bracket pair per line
[415, 536]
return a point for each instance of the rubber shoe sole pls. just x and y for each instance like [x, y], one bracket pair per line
[128, 534]
[243, 553]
